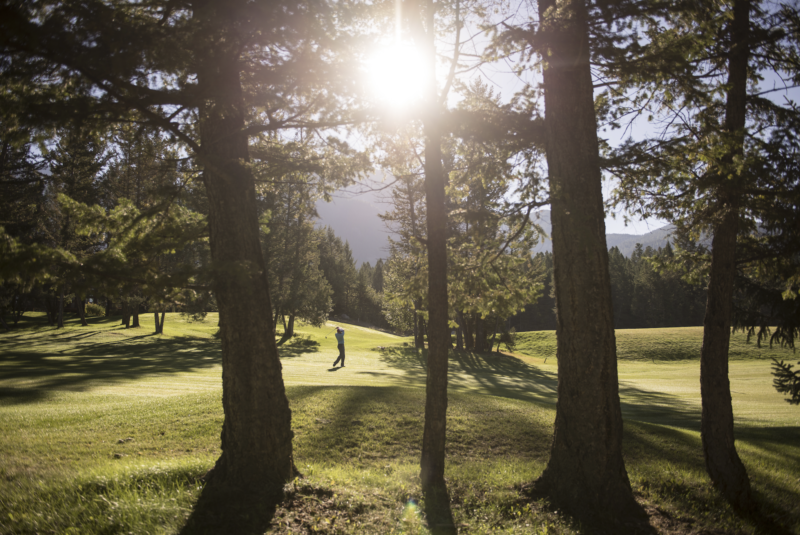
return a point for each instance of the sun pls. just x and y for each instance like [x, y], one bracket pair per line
[396, 75]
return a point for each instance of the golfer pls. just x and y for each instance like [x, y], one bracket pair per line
[340, 339]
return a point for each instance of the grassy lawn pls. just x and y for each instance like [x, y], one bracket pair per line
[108, 430]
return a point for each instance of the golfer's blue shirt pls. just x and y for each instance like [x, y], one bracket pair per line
[340, 337]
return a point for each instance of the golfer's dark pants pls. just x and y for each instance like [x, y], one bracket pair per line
[341, 355]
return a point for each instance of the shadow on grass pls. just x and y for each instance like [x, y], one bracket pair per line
[681, 461]
[383, 426]
[298, 345]
[497, 373]
[438, 514]
[508, 376]
[244, 514]
[84, 361]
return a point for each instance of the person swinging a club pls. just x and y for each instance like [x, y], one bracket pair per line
[340, 340]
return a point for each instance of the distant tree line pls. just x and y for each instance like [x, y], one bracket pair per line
[113, 220]
[643, 295]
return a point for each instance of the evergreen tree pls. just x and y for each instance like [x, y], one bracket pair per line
[490, 240]
[586, 473]
[22, 207]
[337, 264]
[291, 249]
[75, 165]
[211, 74]
[704, 171]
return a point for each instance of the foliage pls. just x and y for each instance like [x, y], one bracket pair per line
[93, 309]
[508, 337]
[786, 381]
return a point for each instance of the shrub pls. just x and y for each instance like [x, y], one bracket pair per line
[509, 338]
[93, 309]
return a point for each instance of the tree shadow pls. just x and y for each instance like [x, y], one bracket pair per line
[438, 514]
[508, 376]
[298, 345]
[240, 513]
[658, 408]
[646, 441]
[85, 362]
[497, 373]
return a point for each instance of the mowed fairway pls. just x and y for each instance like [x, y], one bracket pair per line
[108, 430]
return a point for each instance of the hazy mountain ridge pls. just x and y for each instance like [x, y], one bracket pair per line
[626, 243]
[356, 220]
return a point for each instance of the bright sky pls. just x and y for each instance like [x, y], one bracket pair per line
[395, 81]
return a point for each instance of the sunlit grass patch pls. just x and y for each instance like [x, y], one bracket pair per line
[100, 436]
[668, 344]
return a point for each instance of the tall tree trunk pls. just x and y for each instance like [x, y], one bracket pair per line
[585, 474]
[434, 432]
[275, 322]
[480, 333]
[109, 305]
[460, 331]
[51, 308]
[256, 433]
[161, 326]
[18, 308]
[158, 326]
[60, 321]
[417, 337]
[126, 314]
[722, 461]
[82, 312]
[419, 329]
[290, 326]
[135, 314]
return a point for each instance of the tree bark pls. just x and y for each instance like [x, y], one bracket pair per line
[126, 315]
[161, 326]
[60, 321]
[723, 464]
[158, 326]
[290, 326]
[419, 330]
[469, 339]
[434, 432]
[256, 433]
[51, 308]
[82, 312]
[460, 331]
[135, 314]
[18, 308]
[585, 474]
[480, 333]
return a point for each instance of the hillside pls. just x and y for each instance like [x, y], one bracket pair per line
[354, 218]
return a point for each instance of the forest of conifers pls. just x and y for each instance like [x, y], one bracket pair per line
[169, 154]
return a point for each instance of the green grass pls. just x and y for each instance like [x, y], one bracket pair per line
[108, 430]
[671, 344]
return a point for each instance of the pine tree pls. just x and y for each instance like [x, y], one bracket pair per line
[210, 74]
[703, 172]
[586, 473]
[75, 165]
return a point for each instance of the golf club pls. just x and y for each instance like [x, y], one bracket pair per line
[331, 331]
